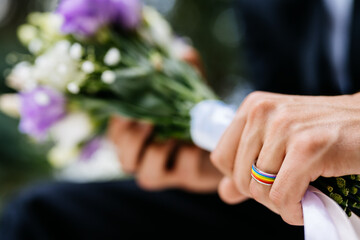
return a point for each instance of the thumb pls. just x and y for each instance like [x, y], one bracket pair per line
[229, 193]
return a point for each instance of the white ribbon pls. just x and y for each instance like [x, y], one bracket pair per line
[323, 217]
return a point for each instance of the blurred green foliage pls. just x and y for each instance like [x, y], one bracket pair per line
[212, 27]
[20, 161]
[210, 24]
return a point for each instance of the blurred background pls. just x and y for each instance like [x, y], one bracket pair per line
[210, 24]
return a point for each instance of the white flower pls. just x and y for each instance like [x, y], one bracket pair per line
[76, 51]
[72, 130]
[53, 25]
[67, 134]
[10, 104]
[103, 165]
[158, 30]
[112, 57]
[35, 46]
[49, 24]
[56, 68]
[21, 77]
[27, 33]
[60, 156]
[62, 68]
[88, 67]
[63, 45]
[73, 88]
[108, 77]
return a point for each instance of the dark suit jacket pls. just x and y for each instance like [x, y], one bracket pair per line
[287, 47]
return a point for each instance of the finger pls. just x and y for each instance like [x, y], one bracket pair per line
[224, 155]
[152, 173]
[116, 126]
[252, 139]
[193, 170]
[272, 154]
[131, 144]
[290, 186]
[229, 193]
[269, 161]
[186, 168]
[112, 129]
[248, 152]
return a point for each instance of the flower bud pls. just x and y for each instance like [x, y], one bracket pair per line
[108, 77]
[10, 104]
[112, 57]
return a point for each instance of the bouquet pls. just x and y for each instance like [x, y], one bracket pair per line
[92, 59]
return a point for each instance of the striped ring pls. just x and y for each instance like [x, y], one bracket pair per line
[262, 177]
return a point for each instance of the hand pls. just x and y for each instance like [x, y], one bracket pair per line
[161, 165]
[298, 137]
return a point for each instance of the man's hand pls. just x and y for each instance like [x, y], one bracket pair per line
[161, 165]
[298, 137]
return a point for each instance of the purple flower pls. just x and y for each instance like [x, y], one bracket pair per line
[127, 13]
[39, 110]
[90, 148]
[85, 17]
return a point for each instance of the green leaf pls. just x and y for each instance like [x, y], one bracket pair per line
[134, 72]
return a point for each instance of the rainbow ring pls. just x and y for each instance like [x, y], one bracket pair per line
[262, 177]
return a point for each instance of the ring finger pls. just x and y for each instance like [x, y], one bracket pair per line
[268, 163]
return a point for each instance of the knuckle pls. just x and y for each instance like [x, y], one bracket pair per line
[310, 143]
[282, 121]
[293, 216]
[302, 142]
[260, 109]
[149, 183]
[228, 195]
[142, 183]
[127, 167]
[225, 196]
[254, 96]
[290, 221]
[127, 161]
